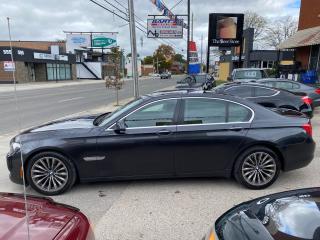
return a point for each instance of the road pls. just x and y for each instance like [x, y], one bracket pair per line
[42, 105]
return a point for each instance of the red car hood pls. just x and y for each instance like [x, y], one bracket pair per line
[46, 218]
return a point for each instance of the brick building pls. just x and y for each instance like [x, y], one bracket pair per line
[36, 61]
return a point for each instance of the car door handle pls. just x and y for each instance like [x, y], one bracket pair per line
[164, 133]
[236, 129]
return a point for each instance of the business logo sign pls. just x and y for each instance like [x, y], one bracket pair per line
[48, 56]
[165, 28]
[225, 29]
[9, 66]
[106, 40]
[77, 41]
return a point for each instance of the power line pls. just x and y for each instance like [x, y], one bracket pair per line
[176, 5]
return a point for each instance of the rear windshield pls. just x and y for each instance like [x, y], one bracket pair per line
[249, 74]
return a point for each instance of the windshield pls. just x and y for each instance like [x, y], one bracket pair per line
[249, 74]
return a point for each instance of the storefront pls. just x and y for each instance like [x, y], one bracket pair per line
[32, 65]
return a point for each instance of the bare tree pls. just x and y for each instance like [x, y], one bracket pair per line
[259, 23]
[279, 30]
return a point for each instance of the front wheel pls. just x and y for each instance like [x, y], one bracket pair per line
[50, 173]
[257, 168]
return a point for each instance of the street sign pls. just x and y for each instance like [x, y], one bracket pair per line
[104, 40]
[9, 66]
[165, 28]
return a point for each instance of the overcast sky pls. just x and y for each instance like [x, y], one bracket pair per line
[46, 19]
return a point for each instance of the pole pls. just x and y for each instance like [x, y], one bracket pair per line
[201, 52]
[240, 53]
[133, 49]
[192, 28]
[188, 33]
[157, 65]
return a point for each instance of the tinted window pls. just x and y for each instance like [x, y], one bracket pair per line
[155, 114]
[249, 74]
[238, 113]
[284, 85]
[244, 91]
[296, 86]
[264, 92]
[269, 84]
[203, 110]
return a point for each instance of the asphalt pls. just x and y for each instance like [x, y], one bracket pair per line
[45, 104]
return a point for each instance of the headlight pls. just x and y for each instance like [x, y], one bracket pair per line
[15, 147]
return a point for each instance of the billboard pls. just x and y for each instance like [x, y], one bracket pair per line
[164, 28]
[104, 40]
[225, 29]
[77, 41]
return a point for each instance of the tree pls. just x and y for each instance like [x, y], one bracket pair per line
[259, 23]
[165, 51]
[179, 58]
[148, 60]
[279, 30]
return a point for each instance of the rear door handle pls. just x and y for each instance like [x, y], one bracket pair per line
[236, 129]
[164, 133]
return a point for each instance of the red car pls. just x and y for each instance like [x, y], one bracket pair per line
[47, 219]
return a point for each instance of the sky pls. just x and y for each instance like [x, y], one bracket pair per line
[47, 19]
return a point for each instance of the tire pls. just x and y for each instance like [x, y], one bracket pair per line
[254, 173]
[50, 173]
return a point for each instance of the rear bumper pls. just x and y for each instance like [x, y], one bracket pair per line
[14, 166]
[298, 155]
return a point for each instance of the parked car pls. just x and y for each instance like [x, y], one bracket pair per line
[198, 81]
[293, 86]
[47, 219]
[165, 135]
[165, 75]
[293, 215]
[268, 96]
[247, 74]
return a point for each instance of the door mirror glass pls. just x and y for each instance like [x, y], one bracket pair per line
[120, 127]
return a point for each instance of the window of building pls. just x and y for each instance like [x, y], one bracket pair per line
[314, 57]
[58, 71]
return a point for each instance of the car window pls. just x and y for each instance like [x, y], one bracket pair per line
[296, 86]
[264, 92]
[284, 85]
[240, 91]
[269, 84]
[204, 110]
[238, 113]
[249, 74]
[155, 114]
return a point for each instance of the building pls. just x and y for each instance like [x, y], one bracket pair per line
[36, 61]
[306, 41]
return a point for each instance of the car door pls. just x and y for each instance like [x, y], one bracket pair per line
[208, 136]
[144, 148]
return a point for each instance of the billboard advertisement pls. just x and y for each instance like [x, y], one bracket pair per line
[164, 28]
[104, 40]
[77, 41]
[225, 29]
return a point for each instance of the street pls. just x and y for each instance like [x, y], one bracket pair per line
[42, 105]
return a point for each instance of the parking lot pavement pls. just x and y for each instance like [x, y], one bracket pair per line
[165, 209]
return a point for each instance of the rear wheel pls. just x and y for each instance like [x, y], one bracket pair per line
[257, 168]
[50, 173]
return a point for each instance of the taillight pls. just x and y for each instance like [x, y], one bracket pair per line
[308, 128]
[317, 91]
[307, 100]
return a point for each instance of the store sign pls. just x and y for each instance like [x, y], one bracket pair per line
[43, 56]
[225, 29]
[77, 41]
[164, 28]
[9, 66]
[104, 40]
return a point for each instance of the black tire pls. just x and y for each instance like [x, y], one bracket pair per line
[68, 168]
[242, 173]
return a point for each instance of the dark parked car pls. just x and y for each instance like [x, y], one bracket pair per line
[247, 74]
[268, 96]
[165, 135]
[198, 81]
[293, 86]
[47, 219]
[293, 215]
[165, 75]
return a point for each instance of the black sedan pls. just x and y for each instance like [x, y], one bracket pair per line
[165, 135]
[268, 96]
[293, 86]
[293, 215]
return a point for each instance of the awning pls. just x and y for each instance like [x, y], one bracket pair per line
[302, 38]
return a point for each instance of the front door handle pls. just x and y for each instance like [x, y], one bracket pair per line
[236, 129]
[164, 133]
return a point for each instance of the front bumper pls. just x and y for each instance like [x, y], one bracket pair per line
[14, 167]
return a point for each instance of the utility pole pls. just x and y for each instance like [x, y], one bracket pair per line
[201, 52]
[192, 27]
[134, 56]
[188, 41]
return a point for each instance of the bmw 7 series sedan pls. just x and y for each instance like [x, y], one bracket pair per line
[170, 134]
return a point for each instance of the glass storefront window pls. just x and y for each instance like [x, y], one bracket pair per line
[314, 56]
[58, 71]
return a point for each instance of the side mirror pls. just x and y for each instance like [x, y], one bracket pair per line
[120, 127]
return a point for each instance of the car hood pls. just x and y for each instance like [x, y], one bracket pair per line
[46, 218]
[83, 122]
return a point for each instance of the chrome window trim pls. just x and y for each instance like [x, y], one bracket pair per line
[180, 125]
[277, 91]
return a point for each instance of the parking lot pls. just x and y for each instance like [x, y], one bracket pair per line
[164, 209]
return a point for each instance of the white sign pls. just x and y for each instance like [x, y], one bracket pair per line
[77, 41]
[9, 66]
[44, 56]
[164, 28]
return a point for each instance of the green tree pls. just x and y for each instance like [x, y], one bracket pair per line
[165, 51]
[148, 60]
[179, 58]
